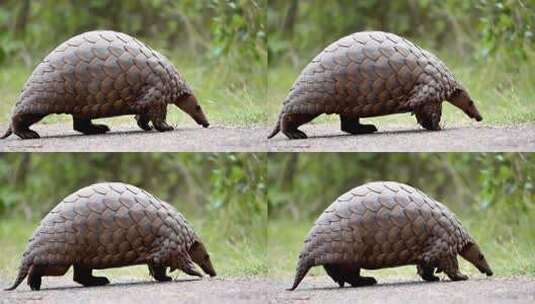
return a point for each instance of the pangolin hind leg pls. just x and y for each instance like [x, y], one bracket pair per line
[34, 278]
[335, 274]
[427, 272]
[21, 123]
[348, 273]
[37, 272]
[291, 122]
[158, 273]
[84, 276]
[450, 266]
[353, 126]
[356, 280]
[85, 126]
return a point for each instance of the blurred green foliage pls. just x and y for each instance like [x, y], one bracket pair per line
[223, 195]
[226, 184]
[212, 28]
[480, 28]
[303, 185]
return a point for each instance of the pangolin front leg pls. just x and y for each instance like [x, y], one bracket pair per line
[427, 108]
[187, 266]
[353, 126]
[427, 272]
[153, 104]
[348, 273]
[143, 122]
[450, 266]
[158, 273]
[428, 116]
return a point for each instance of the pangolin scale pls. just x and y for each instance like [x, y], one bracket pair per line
[387, 224]
[102, 74]
[369, 74]
[111, 225]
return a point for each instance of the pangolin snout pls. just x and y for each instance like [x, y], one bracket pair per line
[474, 113]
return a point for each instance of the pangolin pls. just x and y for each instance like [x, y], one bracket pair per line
[102, 74]
[109, 225]
[387, 224]
[369, 74]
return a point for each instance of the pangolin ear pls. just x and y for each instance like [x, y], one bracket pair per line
[467, 247]
[194, 246]
[195, 249]
[456, 92]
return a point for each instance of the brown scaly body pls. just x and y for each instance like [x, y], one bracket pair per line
[387, 224]
[102, 74]
[369, 74]
[111, 225]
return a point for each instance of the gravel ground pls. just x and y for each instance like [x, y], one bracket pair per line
[496, 290]
[246, 290]
[64, 290]
[129, 138]
[328, 137]
[323, 137]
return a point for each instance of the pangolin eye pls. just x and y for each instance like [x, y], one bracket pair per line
[198, 108]
[481, 257]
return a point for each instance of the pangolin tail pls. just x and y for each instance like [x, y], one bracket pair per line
[8, 132]
[276, 129]
[23, 272]
[302, 270]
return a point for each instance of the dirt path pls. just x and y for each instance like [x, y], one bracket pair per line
[63, 290]
[129, 138]
[497, 290]
[312, 290]
[324, 137]
[328, 137]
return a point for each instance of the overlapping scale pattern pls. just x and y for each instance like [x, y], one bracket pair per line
[383, 224]
[109, 225]
[369, 74]
[100, 74]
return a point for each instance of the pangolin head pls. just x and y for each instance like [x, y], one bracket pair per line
[188, 103]
[472, 253]
[200, 256]
[462, 100]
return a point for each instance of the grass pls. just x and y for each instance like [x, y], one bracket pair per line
[229, 95]
[508, 256]
[503, 92]
[230, 257]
